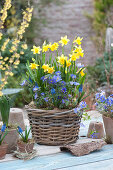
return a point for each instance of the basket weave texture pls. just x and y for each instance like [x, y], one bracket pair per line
[51, 127]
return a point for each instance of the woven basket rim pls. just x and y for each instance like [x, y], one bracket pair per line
[51, 113]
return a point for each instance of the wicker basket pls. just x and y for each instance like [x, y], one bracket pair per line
[52, 127]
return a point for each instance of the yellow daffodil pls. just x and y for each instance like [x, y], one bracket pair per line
[54, 46]
[79, 51]
[64, 40]
[74, 56]
[82, 72]
[51, 70]
[62, 59]
[36, 50]
[33, 66]
[78, 40]
[45, 67]
[68, 63]
[45, 48]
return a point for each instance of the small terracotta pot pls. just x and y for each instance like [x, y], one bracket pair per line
[108, 124]
[3, 150]
[25, 147]
[98, 127]
[11, 139]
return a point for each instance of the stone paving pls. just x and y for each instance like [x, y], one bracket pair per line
[69, 19]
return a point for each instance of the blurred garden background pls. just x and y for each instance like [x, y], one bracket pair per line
[55, 18]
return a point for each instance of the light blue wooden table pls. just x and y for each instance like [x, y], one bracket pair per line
[101, 160]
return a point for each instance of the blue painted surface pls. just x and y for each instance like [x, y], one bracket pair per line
[60, 161]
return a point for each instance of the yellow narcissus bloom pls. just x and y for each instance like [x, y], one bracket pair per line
[45, 48]
[33, 66]
[62, 59]
[54, 46]
[78, 40]
[51, 70]
[1, 94]
[79, 51]
[36, 50]
[68, 63]
[24, 46]
[45, 67]
[74, 56]
[82, 72]
[64, 40]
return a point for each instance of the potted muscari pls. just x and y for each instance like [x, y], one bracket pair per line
[105, 106]
[25, 144]
[3, 145]
[12, 137]
[57, 87]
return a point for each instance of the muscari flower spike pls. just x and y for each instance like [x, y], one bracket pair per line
[20, 129]
[53, 91]
[81, 88]
[3, 128]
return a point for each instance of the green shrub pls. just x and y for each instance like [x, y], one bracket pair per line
[100, 21]
[97, 74]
